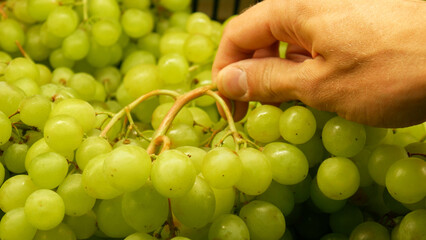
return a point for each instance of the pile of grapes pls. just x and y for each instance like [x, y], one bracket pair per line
[110, 129]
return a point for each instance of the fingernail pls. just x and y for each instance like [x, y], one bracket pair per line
[233, 81]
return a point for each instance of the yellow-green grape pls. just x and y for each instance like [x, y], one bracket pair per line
[362, 160]
[184, 115]
[199, 22]
[10, 32]
[14, 225]
[370, 230]
[263, 123]
[106, 32]
[90, 148]
[5, 127]
[229, 226]
[141, 79]
[257, 172]
[196, 208]
[14, 157]
[76, 45]
[83, 226]
[62, 231]
[406, 180]
[14, 192]
[28, 86]
[84, 84]
[225, 199]
[44, 209]
[39, 147]
[40, 9]
[338, 178]
[62, 21]
[48, 170]
[412, 225]
[140, 236]
[173, 42]
[21, 68]
[136, 58]
[145, 209]
[198, 48]
[279, 195]
[107, 9]
[175, 5]
[195, 154]
[221, 167]
[181, 134]
[322, 202]
[137, 23]
[173, 68]
[10, 98]
[63, 133]
[35, 110]
[173, 174]
[110, 218]
[297, 124]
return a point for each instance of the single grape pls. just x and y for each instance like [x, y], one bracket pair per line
[28, 86]
[14, 192]
[140, 236]
[279, 195]
[62, 21]
[257, 173]
[63, 133]
[221, 167]
[175, 5]
[412, 225]
[343, 138]
[106, 32]
[84, 84]
[196, 208]
[139, 4]
[370, 230]
[137, 23]
[14, 157]
[44, 209]
[297, 124]
[322, 202]
[145, 77]
[145, 209]
[76, 45]
[99, 56]
[14, 225]
[229, 227]
[181, 134]
[110, 218]
[34, 45]
[289, 165]
[198, 48]
[90, 148]
[83, 226]
[173, 42]
[104, 9]
[184, 115]
[225, 200]
[80, 110]
[173, 68]
[20, 68]
[48, 170]
[10, 32]
[109, 77]
[338, 178]
[62, 231]
[35, 110]
[173, 174]
[5, 128]
[57, 59]
[195, 154]
[264, 220]
[263, 123]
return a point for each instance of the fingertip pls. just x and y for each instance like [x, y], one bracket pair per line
[232, 82]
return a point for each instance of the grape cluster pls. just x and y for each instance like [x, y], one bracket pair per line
[109, 129]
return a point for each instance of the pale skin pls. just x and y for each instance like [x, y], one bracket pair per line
[363, 59]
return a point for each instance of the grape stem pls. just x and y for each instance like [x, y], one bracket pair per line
[21, 49]
[85, 14]
[132, 105]
[170, 222]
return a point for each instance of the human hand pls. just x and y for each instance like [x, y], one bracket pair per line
[364, 60]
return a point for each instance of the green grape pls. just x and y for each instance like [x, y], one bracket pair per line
[313, 150]
[179, 19]
[346, 219]
[139, 4]
[35, 110]
[374, 135]
[20, 11]
[199, 23]
[99, 56]
[412, 225]
[198, 48]
[202, 122]
[279, 195]
[180, 238]
[34, 46]
[40, 9]
[406, 180]
[202, 79]
[145, 209]
[109, 77]
[95, 182]
[62, 231]
[142, 79]
[45, 74]
[381, 159]
[14, 192]
[5, 128]
[10, 32]
[394, 205]
[297, 124]
[140, 236]
[136, 58]
[84, 84]
[322, 202]
[403, 139]
[173, 42]
[289, 165]
[264, 220]
[220, 140]
[76, 45]
[83, 226]
[343, 138]
[106, 32]
[221, 167]
[184, 115]
[334, 236]
[173, 174]
[175, 5]
[62, 21]
[48, 170]
[62, 75]
[14, 157]
[80, 110]
[362, 160]
[10, 98]
[90, 148]
[150, 43]
[173, 68]
[127, 167]
[116, 54]
[39, 147]
[321, 117]
[370, 230]
[196, 207]
[57, 59]
[229, 227]
[225, 199]
[338, 178]
[418, 131]
[48, 39]
[257, 173]
[263, 123]
[63, 133]
[14, 225]
[195, 154]
[77, 201]
[137, 23]
[44, 209]
[31, 137]
[110, 218]
[216, 32]
[2, 173]
[20, 68]
[104, 9]
[145, 109]
[28, 86]
[181, 134]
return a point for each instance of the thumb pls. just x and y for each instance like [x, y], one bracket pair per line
[266, 79]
